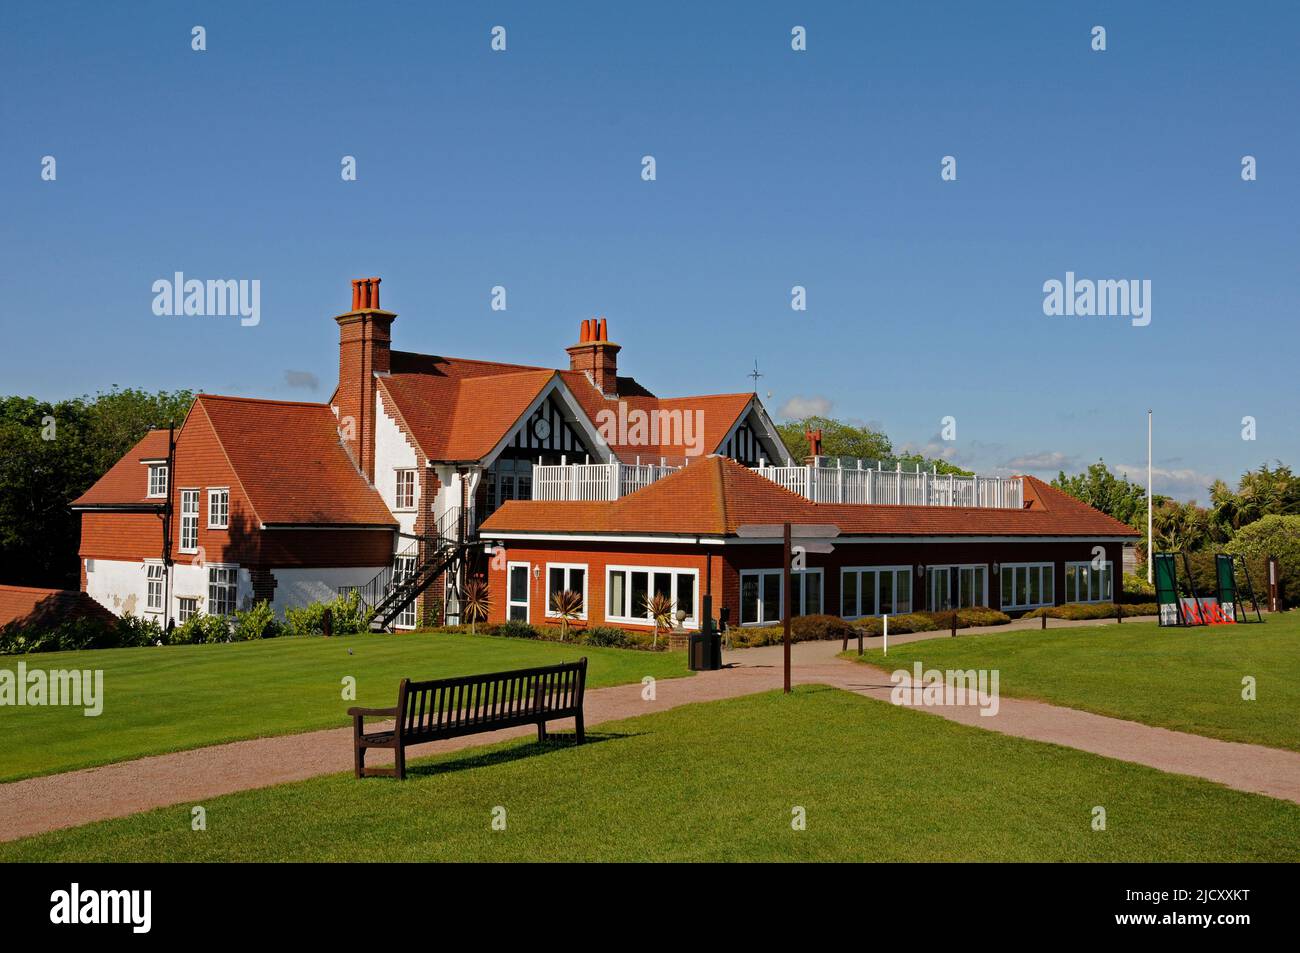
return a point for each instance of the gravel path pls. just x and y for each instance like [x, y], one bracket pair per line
[55, 801]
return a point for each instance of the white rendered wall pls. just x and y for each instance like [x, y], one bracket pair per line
[393, 451]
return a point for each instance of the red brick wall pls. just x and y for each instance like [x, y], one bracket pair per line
[364, 348]
[597, 558]
[201, 464]
[729, 561]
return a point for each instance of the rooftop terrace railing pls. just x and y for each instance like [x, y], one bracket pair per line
[817, 482]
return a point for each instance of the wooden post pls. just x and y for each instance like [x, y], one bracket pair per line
[786, 602]
[1272, 585]
[954, 623]
[1044, 618]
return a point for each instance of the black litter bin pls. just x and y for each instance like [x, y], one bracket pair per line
[705, 653]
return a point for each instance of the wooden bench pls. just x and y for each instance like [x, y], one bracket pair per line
[467, 705]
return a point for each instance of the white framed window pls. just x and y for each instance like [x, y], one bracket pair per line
[222, 589]
[967, 585]
[157, 480]
[1083, 583]
[404, 497]
[875, 590]
[565, 576]
[629, 588]
[761, 600]
[189, 521]
[518, 586]
[153, 599]
[1028, 585]
[403, 567]
[187, 608]
[219, 508]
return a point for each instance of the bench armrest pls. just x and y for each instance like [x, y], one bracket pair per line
[372, 712]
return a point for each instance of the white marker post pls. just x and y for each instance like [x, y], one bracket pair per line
[886, 619]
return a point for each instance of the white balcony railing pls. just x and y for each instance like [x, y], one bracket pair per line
[595, 481]
[821, 484]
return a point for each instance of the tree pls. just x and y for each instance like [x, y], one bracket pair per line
[1114, 495]
[53, 452]
[1278, 536]
[1259, 493]
[841, 439]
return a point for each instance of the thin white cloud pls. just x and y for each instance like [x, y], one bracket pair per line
[1179, 483]
[798, 407]
[1042, 462]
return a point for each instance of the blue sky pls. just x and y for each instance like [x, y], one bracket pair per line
[775, 169]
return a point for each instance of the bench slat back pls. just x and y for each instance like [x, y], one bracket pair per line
[449, 704]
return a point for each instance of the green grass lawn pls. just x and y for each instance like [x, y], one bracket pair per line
[188, 696]
[1185, 679]
[719, 781]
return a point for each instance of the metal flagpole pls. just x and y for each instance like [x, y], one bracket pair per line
[1151, 573]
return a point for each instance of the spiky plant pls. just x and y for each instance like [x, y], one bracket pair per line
[476, 602]
[660, 608]
[566, 604]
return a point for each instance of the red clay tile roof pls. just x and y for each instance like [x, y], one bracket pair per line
[290, 462]
[459, 409]
[127, 481]
[463, 417]
[720, 413]
[47, 607]
[714, 496]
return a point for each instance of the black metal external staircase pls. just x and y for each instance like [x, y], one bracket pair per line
[414, 569]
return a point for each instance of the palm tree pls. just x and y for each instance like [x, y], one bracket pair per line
[476, 602]
[660, 608]
[567, 604]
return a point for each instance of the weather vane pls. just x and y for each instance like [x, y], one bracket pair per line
[755, 374]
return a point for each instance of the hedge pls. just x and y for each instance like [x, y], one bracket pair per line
[1079, 611]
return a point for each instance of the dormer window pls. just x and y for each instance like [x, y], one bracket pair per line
[157, 480]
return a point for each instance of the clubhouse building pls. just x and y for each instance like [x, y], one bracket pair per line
[423, 471]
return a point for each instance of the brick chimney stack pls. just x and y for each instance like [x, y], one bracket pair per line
[814, 445]
[596, 356]
[364, 351]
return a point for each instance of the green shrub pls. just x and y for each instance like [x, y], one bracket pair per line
[83, 633]
[305, 620]
[901, 624]
[348, 616]
[515, 629]
[201, 629]
[817, 628]
[1277, 536]
[258, 622]
[1137, 589]
[606, 635]
[966, 618]
[1083, 611]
